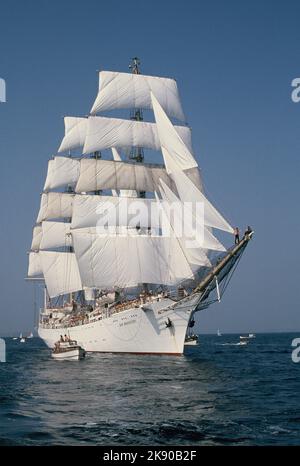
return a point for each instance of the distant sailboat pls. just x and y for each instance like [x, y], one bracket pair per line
[22, 339]
[30, 335]
[219, 333]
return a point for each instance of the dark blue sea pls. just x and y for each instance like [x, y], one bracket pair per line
[218, 393]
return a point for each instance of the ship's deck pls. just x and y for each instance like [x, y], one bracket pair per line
[99, 312]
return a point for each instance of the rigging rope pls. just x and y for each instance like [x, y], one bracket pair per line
[230, 274]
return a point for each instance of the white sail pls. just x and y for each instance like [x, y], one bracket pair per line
[171, 140]
[195, 255]
[184, 216]
[99, 174]
[99, 211]
[36, 238]
[75, 133]
[104, 133]
[122, 192]
[124, 261]
[188, 192]
[49, 177]
[55, 205]
[194, 175]
[62, 172]
[55, 235]
[35, 267]
[126, 90]
[61, 272]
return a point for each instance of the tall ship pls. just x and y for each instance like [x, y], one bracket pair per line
[125, 242]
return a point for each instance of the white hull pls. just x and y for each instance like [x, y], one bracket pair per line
[72, 355]
[135, 330]
[191, 343]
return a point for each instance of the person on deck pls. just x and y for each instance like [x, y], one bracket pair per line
[61, 338]
[236, 235]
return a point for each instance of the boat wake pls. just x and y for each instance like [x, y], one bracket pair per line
[230, 344]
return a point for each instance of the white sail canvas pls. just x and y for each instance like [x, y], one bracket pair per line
[75, 133]
[125, 90]
[104, 133]
[125, 260]
[61, 272]
[55, 235]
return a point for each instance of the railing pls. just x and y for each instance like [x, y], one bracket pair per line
[102, 314]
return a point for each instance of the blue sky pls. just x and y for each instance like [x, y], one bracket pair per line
[234, 62]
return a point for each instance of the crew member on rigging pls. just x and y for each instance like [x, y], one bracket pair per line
[248, 231]
[236, 233]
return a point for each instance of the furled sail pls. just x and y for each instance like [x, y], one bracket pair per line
[171, 140]
[62, 171]
[125, 90]
[55, 235]
[99, 174]
[124, 261]
[112, 211]
[75, 132]
[36, 238]
[35, 267]
[104, 133]
[55, 205]
[61, 272]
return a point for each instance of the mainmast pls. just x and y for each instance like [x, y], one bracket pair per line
[136, 114]
[137, 153]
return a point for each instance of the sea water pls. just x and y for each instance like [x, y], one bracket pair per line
[218, 393]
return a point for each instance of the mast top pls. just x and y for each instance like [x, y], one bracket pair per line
[134, 66]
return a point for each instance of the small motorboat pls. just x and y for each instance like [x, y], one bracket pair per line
[242, 343]
[191, 340]
[15, 338]
[68, 350]
[251, 335]
[244, 337]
